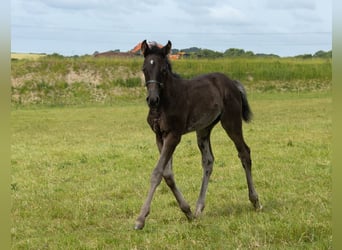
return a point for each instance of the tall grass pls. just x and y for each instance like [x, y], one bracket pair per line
[62, 65]
[259, 69]
[56, 80]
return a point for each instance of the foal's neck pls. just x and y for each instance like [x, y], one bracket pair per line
[172, 84]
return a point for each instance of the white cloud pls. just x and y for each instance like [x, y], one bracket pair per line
[290, 4]
[73, 4]
[227, 14]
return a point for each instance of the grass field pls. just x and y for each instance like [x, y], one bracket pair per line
[80, 175]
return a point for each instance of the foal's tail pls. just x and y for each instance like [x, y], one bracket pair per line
[246, 110]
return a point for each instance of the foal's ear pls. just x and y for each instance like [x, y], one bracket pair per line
[144, 48]
[167, 48]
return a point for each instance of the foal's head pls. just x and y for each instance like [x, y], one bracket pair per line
[156, 68]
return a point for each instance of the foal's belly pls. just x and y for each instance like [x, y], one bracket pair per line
[201, 119]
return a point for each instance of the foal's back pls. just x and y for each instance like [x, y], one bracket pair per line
[209, 95]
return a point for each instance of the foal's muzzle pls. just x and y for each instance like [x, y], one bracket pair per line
[153, 102]
[153, 99]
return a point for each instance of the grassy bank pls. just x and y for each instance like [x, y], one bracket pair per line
[80, 175]
[56, 80]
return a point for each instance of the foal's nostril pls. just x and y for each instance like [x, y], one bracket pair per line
[153, 102]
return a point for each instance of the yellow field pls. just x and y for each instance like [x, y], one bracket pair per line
[32, 56]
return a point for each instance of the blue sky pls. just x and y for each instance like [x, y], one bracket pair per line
[77, 27]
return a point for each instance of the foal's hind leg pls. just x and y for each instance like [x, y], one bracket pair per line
[233, 128]
[203, 141]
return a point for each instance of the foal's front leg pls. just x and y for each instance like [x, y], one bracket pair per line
[168, 147]
[170, 181]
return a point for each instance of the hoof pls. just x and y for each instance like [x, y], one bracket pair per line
[139, 225]
[199, 210]
[198, 213]
[257, 206]
[189, 216]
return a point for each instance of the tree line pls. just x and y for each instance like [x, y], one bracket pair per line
[195, 52]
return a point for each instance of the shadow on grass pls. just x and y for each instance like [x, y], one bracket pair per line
[244, 207]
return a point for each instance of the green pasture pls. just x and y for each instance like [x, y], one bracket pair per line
[80, 174]
[82, 154]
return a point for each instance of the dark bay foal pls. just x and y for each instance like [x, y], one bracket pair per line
[179, 106]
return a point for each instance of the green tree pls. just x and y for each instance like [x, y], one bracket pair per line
[233, 52]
